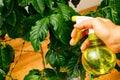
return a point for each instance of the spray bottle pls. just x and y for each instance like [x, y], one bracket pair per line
[97, 59]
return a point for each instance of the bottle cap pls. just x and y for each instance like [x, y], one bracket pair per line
[79, 19]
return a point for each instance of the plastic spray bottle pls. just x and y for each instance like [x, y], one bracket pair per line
[97, 59]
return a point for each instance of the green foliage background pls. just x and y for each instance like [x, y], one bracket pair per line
[33, 20]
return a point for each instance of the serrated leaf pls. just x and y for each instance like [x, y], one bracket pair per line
[47, 56]
[55, 58]
[61, 31]
[65, 11]
[39, 6]
[28, 23]
[75, 69]
[50, 3]
[103, 4]
[115, 17]
[56, 20]
[39, 32]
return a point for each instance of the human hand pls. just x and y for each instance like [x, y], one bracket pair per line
[105, 29]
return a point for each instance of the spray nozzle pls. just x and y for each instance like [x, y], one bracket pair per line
[78, 20]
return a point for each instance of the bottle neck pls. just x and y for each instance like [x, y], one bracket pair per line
[94, 40]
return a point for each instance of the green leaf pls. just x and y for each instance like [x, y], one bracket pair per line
[10, 51]
[6, 56]
[11, 19]
[50, 3]
[13, 32]
[75, 68]
[21, 14]
[1, 6]
[2, 31]
[115, 17]
[54, 20]
[2, 74]
[66, 11]
[61, 31]
[23, 2]
[39, 32]
[27, 24]
[33, 75]
[62, 75]
[9, 6]
[7, 3]
[104, 3]
[54, 78]
[39, 6]
[112, 15]
[31, 10]
[1, 21]
[117, 6]
[47, 56]
[49, 72]
[92, 76]
[55, 58]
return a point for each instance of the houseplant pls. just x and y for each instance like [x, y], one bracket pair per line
[33, 20]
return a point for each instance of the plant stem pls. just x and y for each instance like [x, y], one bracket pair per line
[10, 74]
[42, 54]
[5, 40]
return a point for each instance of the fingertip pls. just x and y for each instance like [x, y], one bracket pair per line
[85, 45]
[72, 42]
[75, 25]
[73, 33]
[82, 48]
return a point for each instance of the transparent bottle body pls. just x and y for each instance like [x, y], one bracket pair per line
[97, 59]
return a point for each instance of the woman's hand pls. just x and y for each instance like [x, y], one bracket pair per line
[105, 29]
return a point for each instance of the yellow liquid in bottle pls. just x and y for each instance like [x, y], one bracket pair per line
[97, 59]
